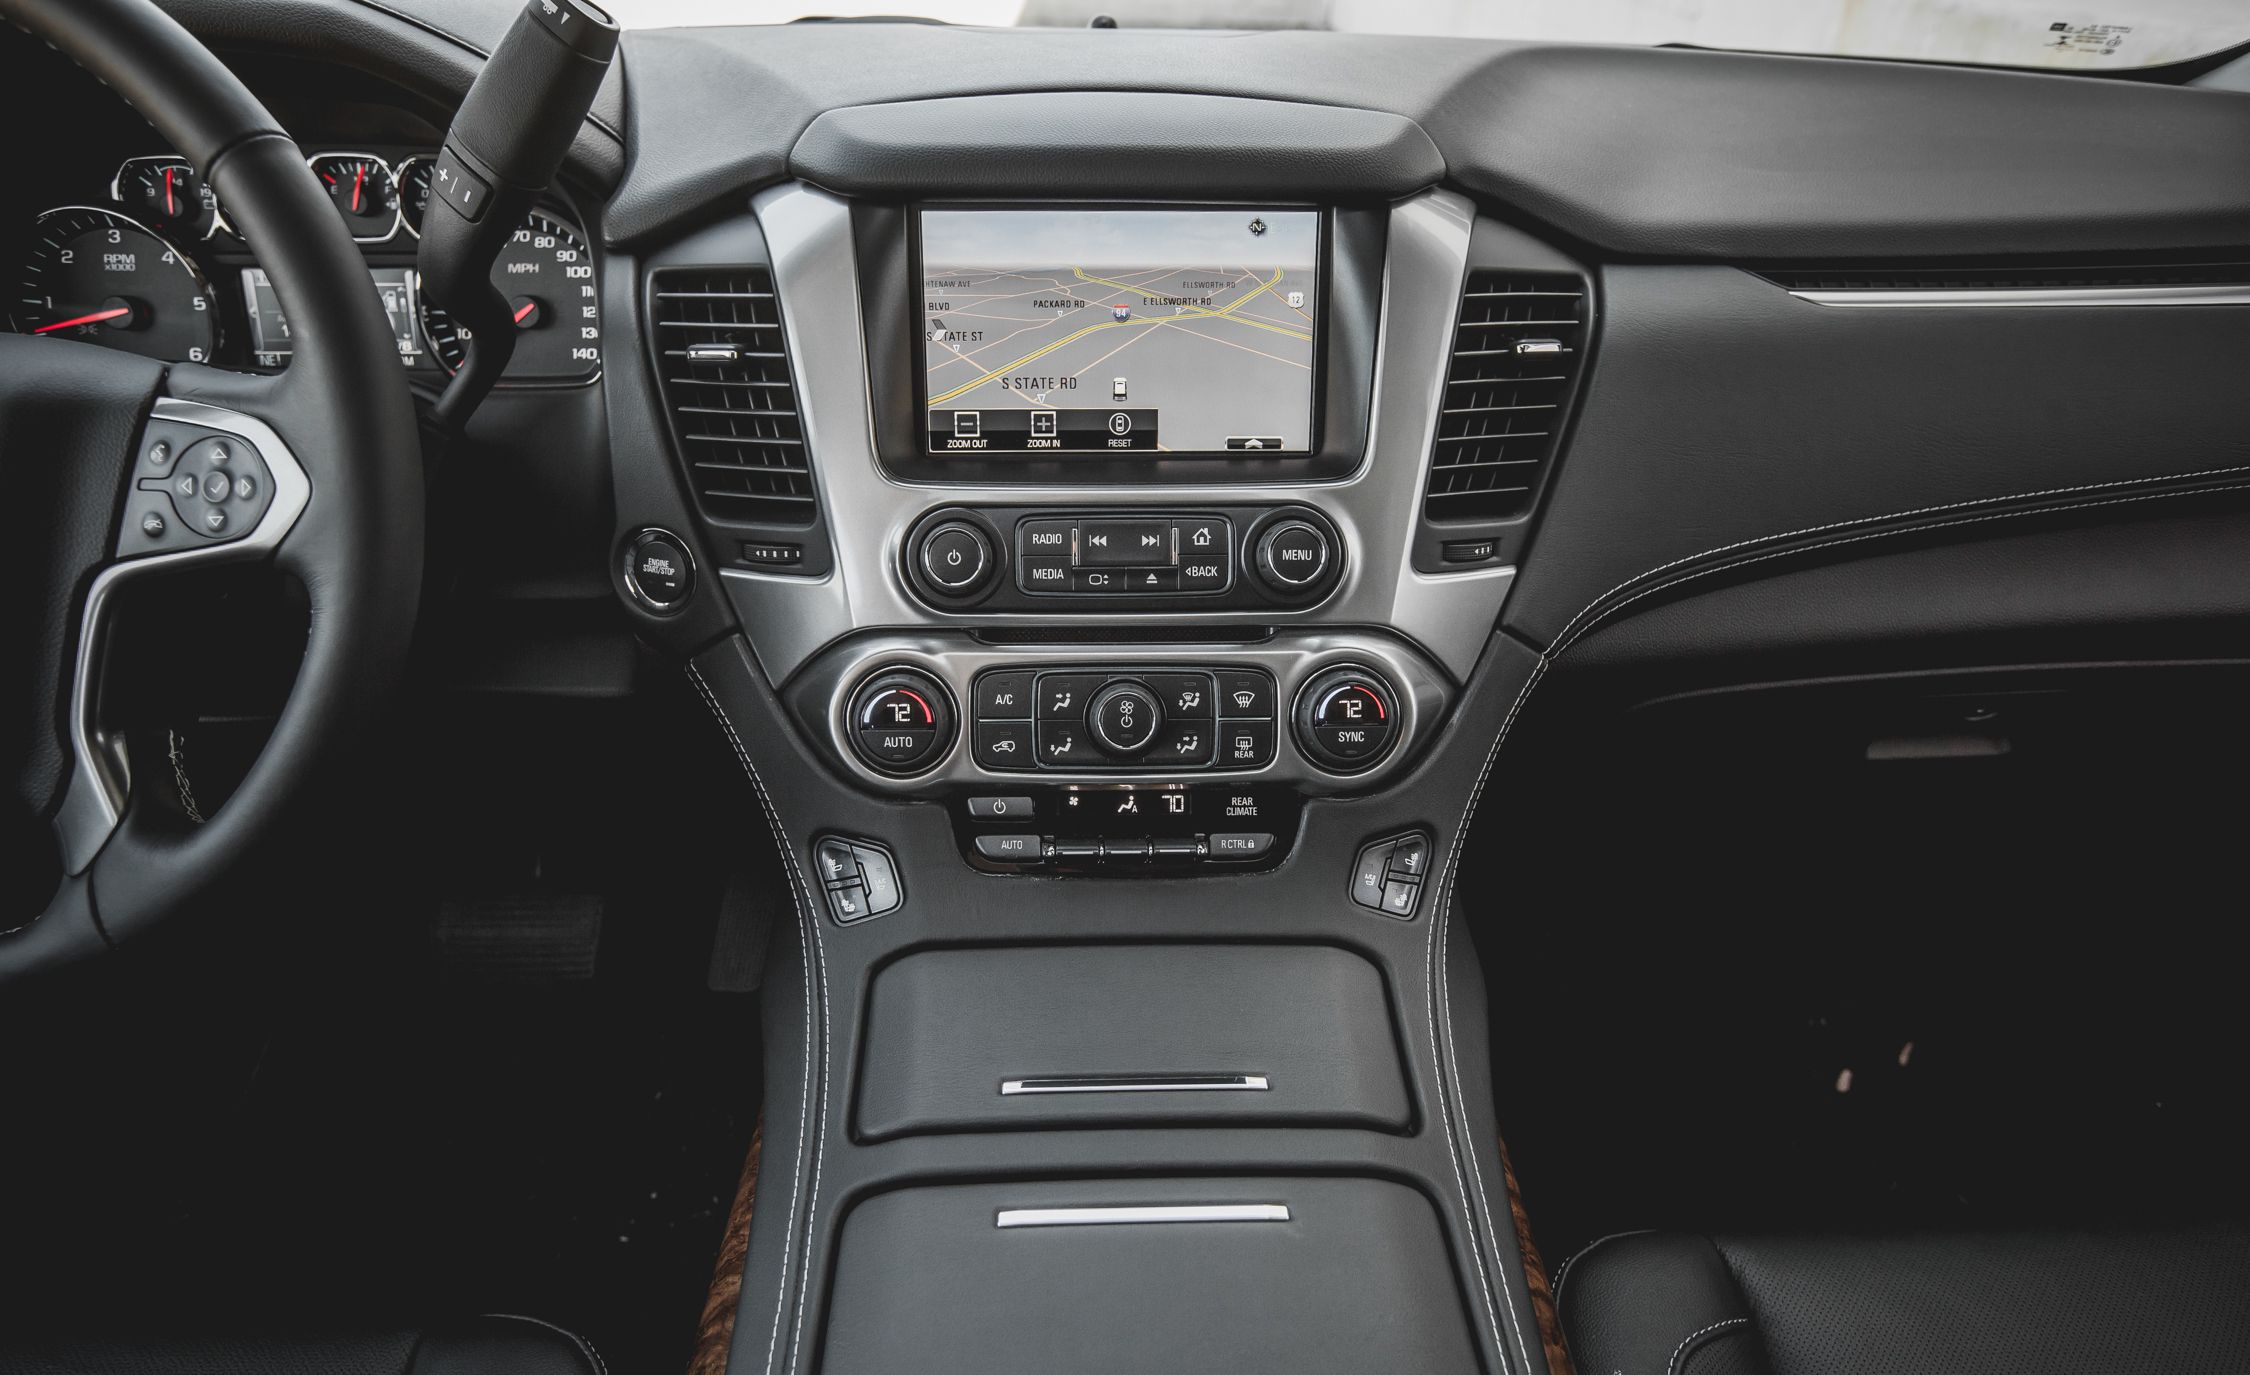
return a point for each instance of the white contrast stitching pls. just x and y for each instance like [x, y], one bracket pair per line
[180, 778]
[584, 1344]
[1563, 1275]
[1562, 642]
[1681, 1349]
[811, 931]
[1857, 521]
[1429, 994]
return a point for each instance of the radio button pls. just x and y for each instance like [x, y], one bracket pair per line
[1045, 538]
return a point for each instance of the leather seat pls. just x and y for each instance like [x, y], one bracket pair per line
[2174, 1302]
[492, 1345]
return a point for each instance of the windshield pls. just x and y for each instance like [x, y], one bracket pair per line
[2114, 35]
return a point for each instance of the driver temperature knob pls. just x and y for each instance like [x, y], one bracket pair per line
[900, 722]
[1124, 717]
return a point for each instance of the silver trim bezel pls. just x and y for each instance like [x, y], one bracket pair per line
[398, 211]
[101, 775]
[2006, 298]
[1129, 1083]
[1376, 509]
[1424, 698]
[1009, 1218]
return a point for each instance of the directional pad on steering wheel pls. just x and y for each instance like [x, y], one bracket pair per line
[193, 487]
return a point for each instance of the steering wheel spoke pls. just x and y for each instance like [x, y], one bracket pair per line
[207, 484]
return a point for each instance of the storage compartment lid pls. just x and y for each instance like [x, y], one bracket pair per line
[1087, 1276]
[1129, 1035]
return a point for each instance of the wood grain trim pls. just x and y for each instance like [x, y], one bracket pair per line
[1535, 1276]
[715, 1333]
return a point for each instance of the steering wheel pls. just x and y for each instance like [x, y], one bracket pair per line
[317, 469]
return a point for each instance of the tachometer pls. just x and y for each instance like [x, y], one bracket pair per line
[548, 277]
[98, 276]
[364, 192]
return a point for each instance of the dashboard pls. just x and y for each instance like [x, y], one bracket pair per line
[143, 258]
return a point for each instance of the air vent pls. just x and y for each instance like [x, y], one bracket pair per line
[727, 388]
[1516, 349]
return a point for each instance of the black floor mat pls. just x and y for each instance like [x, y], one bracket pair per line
[382, 1103]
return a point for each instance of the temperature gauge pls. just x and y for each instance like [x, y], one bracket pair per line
[414, 191]
[364, 191]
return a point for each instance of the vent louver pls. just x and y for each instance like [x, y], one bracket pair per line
[1516, 348]
[730, 396]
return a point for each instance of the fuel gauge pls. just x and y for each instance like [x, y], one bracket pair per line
[167, 194]
[363, 190]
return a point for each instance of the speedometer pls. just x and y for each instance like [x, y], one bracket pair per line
[548, 277]
[98, 276]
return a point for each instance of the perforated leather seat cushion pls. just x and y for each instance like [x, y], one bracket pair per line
[2171, 1302]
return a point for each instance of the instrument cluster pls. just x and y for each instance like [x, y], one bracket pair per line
[153, 266]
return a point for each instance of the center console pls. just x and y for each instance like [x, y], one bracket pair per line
[1119, 731]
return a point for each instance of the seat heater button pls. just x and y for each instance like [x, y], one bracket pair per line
[1011, 849]
[1399, 896]
[848, 902]
[836, 863]
[1000, 808]
[1410, 859]
[1240, 844]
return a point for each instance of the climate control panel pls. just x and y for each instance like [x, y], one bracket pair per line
[1165, 719]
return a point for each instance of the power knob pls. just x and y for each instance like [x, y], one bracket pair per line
[956, 559]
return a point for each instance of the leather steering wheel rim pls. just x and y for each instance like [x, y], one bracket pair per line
[342, 412]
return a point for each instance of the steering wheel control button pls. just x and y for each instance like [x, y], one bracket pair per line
[1000, 808]
[659, 571]
[1012, 849]
[1240, 845]
[197, 499]
[1346, 718]
[957, 558]
[900, 722]
[1125, 718]
[1389, 874]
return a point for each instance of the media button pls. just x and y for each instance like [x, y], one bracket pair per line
[1043, 574]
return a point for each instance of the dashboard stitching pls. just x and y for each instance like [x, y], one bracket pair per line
[1563, 644]
[1564, 637]
[773, 822]
[1445, 916]
[1476, 1169]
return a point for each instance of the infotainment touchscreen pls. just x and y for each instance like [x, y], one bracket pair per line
[1098, 331]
